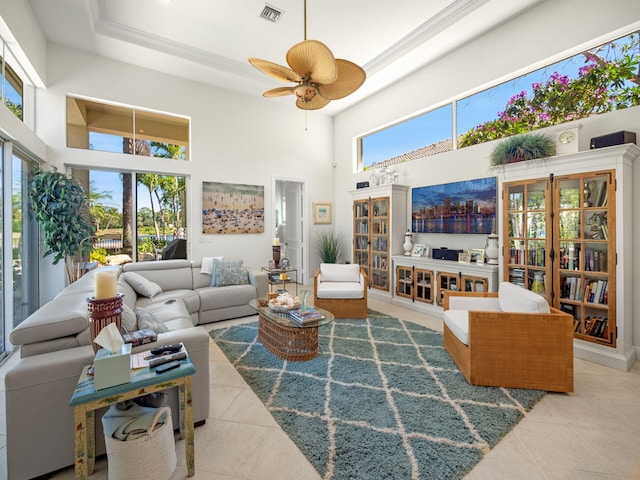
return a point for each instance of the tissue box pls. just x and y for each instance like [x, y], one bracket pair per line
[111, 369]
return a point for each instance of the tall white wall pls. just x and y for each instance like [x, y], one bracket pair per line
[234, 138]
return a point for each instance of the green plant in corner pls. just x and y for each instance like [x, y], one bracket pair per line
[61, 207]
[329, 245]
[518, 148]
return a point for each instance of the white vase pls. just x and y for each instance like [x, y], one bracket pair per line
[492, 252]
[408, 243]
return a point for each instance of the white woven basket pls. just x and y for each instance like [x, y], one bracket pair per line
[152, 456]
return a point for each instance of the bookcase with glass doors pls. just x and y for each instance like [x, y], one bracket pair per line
[379, 224]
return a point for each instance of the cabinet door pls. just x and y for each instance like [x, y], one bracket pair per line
[446, 281]
[423, 285]
[471, 283]
[527, 233]
[404, 281]
[380, 255]
[361, 234]
[585, 275]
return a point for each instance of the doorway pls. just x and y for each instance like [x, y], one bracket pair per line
[289, 223]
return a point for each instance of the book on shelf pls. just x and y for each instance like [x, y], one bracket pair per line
[307, 315]
[140, 337]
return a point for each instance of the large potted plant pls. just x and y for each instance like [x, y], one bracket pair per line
[329, 245]
[61, 207]
[519, 148]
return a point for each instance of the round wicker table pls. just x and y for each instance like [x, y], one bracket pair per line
[286, 338]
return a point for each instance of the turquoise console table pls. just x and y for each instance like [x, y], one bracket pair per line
[86, 400]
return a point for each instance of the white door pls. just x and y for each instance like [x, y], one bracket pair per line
[293, 233]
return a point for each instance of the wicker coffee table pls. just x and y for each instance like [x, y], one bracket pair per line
[286, 338]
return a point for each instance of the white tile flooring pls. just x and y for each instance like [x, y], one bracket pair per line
[592, 434]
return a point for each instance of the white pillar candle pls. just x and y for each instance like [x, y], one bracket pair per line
[105, 284]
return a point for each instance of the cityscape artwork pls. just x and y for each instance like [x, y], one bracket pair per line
[459, 207]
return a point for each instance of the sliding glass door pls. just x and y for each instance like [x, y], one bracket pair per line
[20, 257]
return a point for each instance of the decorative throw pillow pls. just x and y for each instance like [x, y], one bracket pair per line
[129, 319]
[220, 266]
[141, 285]
[232, 275]
[146, 319]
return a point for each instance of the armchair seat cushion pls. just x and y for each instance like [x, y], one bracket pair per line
[458, 323]
[340, 290]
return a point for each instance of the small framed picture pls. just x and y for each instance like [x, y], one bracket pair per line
[322, 212]
[477, 255]
[418, 250]
[464, 257]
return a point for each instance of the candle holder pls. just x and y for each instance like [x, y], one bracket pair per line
[103, 312]
[276, 256]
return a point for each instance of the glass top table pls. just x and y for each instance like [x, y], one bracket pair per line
[286, 338]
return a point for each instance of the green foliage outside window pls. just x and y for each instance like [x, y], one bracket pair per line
[602, 86]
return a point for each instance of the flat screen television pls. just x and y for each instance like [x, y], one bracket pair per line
[459, 207]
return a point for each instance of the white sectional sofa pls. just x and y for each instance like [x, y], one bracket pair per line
[55, 345]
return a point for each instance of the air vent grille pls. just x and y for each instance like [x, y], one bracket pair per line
[271, 13]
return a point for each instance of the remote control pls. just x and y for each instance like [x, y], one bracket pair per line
[176, 347]
[167, 366]
[167, 358]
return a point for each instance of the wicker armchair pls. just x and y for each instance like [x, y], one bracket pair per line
[509, 339]
[341, 289]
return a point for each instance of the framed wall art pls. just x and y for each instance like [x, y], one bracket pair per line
[322, 212]
[232, 208]
[459, 207]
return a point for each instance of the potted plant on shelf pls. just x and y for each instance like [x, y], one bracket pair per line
[61, 207]
[523, 147]
[329, 245]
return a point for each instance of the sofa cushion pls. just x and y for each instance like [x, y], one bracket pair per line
[206, 267]
[212, 298]
[334, 272]
[345, 290]
[141, 285]
[129, 319]
[190, 298]
[129, 294]
[458, 322]
[231, 276]
[58, 318]
[513, 298]
[169, 274]
[146, 319]
[224, 269]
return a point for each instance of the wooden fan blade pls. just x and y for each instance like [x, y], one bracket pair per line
[276, 71]
[314, 104]
[313, 60]
[278, 92]
[350, 78]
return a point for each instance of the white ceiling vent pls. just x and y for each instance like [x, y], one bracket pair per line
[271, 13]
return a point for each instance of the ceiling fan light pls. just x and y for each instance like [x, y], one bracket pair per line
[305, 92]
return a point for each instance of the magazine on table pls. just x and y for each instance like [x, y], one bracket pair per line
[307, 315]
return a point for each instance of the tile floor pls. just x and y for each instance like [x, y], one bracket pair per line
[592, 434]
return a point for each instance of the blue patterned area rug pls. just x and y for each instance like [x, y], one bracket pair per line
[382, 400]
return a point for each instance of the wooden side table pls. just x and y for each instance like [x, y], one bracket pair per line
[86, 400]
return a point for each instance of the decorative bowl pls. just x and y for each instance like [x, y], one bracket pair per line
[284, 308]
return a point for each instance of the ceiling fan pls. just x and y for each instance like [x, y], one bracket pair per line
[319, 77]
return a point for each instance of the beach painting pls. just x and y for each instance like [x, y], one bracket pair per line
[232, 208]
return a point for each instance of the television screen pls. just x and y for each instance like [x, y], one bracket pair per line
[459, 207]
